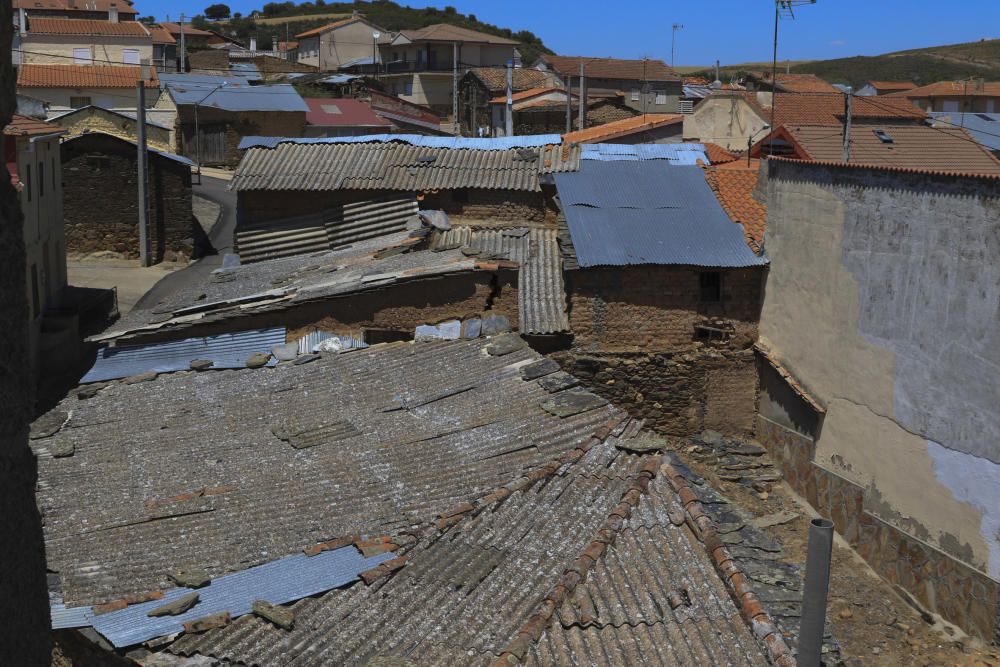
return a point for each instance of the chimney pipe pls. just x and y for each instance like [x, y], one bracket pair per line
[113, 13]
[253, 43]
[814, 594]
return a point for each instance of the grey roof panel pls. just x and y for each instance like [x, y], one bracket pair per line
[624, 213]
[679, 154]
[237, 96]
[278, 582]
[984, 127]
[72, 617]
[229, 350]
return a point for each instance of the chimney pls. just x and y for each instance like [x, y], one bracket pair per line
[717, 83]
[253, 43]
[113, 13]
[144, 73]
[22, 21]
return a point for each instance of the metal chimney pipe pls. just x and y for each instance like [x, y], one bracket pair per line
[815, 592]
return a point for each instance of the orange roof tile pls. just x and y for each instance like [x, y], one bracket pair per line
[329, 26]
[525, 94]
[734, 190]
[161, 35]
[287, 46]
[612, 68]
[48, 26]
[83, 76]
[795, 83]
[26, 126]
[124, 8]
[189, 30]
[828, 108]
[952, 89]
[452, 33]
[621, 128]
[892, 85]
[495, 78]
[717, 154]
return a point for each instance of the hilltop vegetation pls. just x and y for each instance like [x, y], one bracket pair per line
[281, 18]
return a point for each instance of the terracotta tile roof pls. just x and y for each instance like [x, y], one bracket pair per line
[695, 81]
[124, 7]
[824, 108]
[48, 26]
[734, 189]
[911, 147]
[892, 85]
[342, 112]
[622, 128]
[794, 83]
[82, 76]
[951, 89]
[189, 30]
[495, 78]
[26, 126]
[453, 33]
[324, 28]
[897, 170]
[287, 46]
[161, 35]
[717, 154]
[612, 68]
[525, 94]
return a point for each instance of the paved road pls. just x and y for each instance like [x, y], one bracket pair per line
[221, 237]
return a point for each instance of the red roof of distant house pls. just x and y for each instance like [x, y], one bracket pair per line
[189, 30]
[892, 85]
[161, 35]
[734, 189]
[342, 112]
[26, 126]
[828, 108]
[622, 128]
[41, 25]
[717, 154]
[444, 32]
[611, 68]
[329, 26]
[952, 89]
[795, 83]
[124, 7]
[83, 76]
[522, 78]
[287, 46]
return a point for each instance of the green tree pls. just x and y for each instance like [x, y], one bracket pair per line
[217, 11]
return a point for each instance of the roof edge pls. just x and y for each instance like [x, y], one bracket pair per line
[898, 170]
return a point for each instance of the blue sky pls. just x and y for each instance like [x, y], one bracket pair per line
[730, 30]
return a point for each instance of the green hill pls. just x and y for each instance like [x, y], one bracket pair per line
[281, 18]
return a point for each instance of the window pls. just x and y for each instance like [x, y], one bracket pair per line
[81, 56]
[949, 105]
[77, 102]
[635, 94]
[710, 284]
[661, 97]
[883, 136]
[685, 106]
[35, 305]
[130, 56]
[41, 179]
[408, 88]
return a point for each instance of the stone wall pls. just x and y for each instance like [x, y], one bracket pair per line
[237, 125]
[95, 119]
[100, 201]
[654, 308]
[491, 205]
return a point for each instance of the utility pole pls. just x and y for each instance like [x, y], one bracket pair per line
[454, 88]
[509, 127]
[673, 38]
[583, 98]
[787, 5]
[847, 125]
[183, 52]
[569, 104]
[142, 168]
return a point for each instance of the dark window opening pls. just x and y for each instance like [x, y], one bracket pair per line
[460, 196]
[710, 287]
[375, 336]
[77, 102]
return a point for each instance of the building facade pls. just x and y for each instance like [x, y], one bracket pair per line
[339, 44]
[649, 86]
[85, 42]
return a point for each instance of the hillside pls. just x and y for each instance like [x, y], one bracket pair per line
[922, 66]
[281, 18]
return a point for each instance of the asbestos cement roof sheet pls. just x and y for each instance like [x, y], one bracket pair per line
[269, 97]
[473, 143]
[230, 350]
[628, 213]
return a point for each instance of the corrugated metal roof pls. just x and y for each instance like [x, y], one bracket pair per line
[336, 227]
[230, 97]
[472, 143]
[229, 350]
[210, 80]
[330, 166]
[307, 344]
[541, 293]
[72, 617]
[278, 582]
[687, 154]
[627, 213]
[984, 127]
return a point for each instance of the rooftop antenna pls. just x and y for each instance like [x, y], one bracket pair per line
[786, 9]
[673, 39]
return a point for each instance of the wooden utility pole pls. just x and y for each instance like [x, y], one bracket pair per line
[454, 88]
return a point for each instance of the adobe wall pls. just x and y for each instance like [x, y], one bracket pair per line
[241, 124]
[885, 306]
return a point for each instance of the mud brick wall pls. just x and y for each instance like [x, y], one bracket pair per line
[679, 393]
[655, 308]
[241, 124]
[490, 205]
[100, 202]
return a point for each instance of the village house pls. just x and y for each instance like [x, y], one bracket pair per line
[32, 156]
[904, 146]
[164, 48]
[334, 45]
[878, 362]
[729, 118]
[648, 85]
[215, 112]
[543, 111]
[342, 117]
[405, 116]
[884, 87]
[480, 85]
[67, 87]
[50, 41]
[787, 83]
[658, 128]
[194, 38]
[99, 162]
[121, 123]
[419, 65]
[975, 96]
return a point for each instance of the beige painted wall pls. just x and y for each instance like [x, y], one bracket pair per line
[58, 49]
[159, 138]
[810, 320]
[724, 120]
[109, 98]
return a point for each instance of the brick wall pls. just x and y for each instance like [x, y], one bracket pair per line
[100, 201]
[658, 308]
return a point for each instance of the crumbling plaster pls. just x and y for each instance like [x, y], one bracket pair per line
[882, 300]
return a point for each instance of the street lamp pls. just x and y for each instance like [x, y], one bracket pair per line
[375, 35]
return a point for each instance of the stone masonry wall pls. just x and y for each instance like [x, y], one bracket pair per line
[490, 205]
[655, 308]
[100, 201]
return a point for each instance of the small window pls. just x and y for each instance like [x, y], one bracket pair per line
[82, 56]
[710, 284]
[635, 94]
[130, 56]
[77, 102]
[661, 97]
[408, 88]
[883, 136]
[41, 179]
